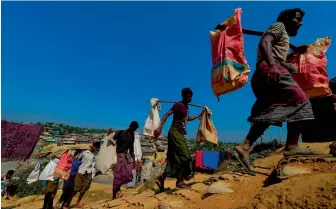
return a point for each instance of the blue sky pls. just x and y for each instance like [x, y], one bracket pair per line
[97, 64]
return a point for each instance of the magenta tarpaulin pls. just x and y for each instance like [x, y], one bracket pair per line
[18, 140]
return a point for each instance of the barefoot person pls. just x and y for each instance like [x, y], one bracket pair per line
[125, 155]
[83, 177]
[7, 183]
[279, 97]
[179, 162]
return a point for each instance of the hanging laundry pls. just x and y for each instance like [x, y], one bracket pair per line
[63, 168]
[312, 74]
[153, 120]
[137, 147]
[48, 172]
[18, 140]
[230, 69]
[34, 175]
[107, 157]
[206, 131]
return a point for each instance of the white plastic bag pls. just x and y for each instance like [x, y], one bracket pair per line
[34, 175]
[107, 157]
[48, 171]
[137, 147]
[153, 120]
[133, 182]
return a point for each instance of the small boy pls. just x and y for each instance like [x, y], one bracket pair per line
[7, 183]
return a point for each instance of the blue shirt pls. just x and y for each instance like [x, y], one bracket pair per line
[75, 167]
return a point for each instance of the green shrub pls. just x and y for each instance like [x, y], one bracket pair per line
[23, 171]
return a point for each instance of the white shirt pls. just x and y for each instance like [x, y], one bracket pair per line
[88, 159]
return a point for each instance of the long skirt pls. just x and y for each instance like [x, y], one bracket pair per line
[279, 102]
[179, 161]
[122, 171]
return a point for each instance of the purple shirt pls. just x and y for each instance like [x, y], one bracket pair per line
[180, 117]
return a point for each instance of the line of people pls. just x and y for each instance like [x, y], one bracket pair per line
[79, 180]
[279, 99]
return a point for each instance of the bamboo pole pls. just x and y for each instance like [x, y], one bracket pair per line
[168, 101]
[251, 32]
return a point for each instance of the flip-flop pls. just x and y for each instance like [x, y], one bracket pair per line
[299, 152]
[245, 162]
[183, 186]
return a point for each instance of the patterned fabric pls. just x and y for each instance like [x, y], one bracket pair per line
[18, 140]
[122, 171]
[63, 167]
[229, 66]
[180, 118]
[281, 44]
[179, 162]
[281, 102]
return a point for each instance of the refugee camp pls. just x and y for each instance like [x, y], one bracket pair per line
[164, 105]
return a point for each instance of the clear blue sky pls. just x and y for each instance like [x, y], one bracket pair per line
[97, 64]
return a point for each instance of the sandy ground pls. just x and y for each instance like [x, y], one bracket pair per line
[314, 190]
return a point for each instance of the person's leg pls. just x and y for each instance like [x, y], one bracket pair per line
[61, 199]
[81, 195]
[256, 130]
[294, 129]
[47, 197]
[51, 201]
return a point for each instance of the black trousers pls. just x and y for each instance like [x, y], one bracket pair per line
[66, 197]
[48, 200]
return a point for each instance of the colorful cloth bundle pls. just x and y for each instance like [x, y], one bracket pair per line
[18, 140]
[63, 168]
[312, 74]
[230, 69]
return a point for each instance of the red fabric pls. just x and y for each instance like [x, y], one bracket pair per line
[18, 140]
[230, 69]
[199, 161]
[63, 167]
[312, 76]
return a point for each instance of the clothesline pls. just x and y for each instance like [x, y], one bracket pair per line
[168, 101]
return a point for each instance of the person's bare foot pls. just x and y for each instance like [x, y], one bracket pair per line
[79, 205]
[181, 185]
[244, 154]
[296, 150]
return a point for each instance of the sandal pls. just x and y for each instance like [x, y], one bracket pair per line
[244, 159]
[297, 151]
[182, 185]
[119, 194]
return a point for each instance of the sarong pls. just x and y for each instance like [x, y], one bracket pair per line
[179, 161]
[82, 182]
[122, 171]
[279, 102]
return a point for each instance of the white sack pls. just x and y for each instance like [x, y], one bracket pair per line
[137, 147]
[48, 171]
[107, 157]
[34, 175]
[153, 120]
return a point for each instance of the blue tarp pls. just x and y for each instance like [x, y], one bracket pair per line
[212, 159]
